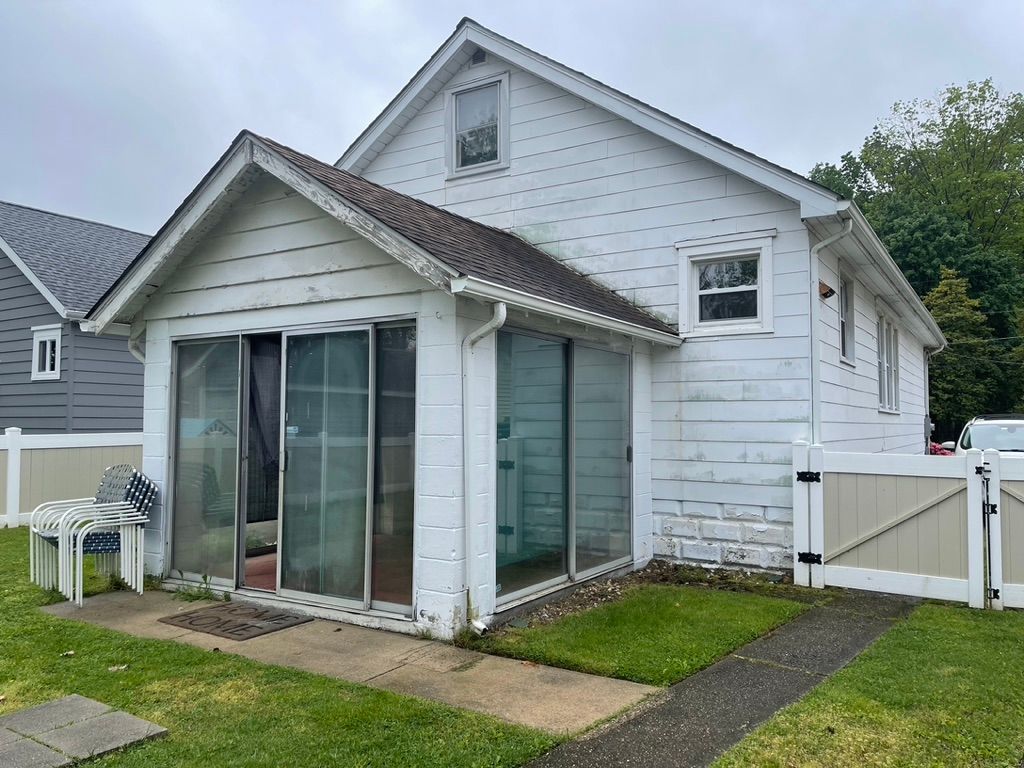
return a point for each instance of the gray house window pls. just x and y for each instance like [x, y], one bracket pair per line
[477, 119]
[46, 353]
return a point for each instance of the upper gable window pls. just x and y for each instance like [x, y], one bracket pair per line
[725, 284]
[478, 126]
[45, 352]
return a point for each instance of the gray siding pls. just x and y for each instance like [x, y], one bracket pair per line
[100, 388]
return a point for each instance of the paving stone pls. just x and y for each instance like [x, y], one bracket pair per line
[53, 714]
[100, 735]
[6, 736]
[26, 753]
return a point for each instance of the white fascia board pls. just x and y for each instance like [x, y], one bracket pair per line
[400, 248]
[488, 291]
[114, 329]
[163, 246]
[52, 300]
[813, 200]
[865, 234]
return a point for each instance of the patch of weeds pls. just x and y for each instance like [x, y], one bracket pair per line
[196, 592]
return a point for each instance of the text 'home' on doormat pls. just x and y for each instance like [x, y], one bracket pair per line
[235, 621]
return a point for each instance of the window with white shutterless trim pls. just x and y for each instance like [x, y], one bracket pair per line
[847, 320]
[477, 126]
[888, 343]
[725, 284]
[45, 352]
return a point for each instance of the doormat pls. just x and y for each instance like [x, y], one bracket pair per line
[235, 621]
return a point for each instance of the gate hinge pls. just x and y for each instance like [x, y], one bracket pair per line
[811, 558]
[993, 594]
[981, 470]
[808, 477]
[990, 509]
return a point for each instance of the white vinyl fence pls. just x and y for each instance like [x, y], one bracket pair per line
[38, 468]
[944, 527]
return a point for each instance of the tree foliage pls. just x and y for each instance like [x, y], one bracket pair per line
[962, 377]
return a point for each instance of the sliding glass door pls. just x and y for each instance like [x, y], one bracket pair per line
[563, 462]
[206, 460]
[328, 424]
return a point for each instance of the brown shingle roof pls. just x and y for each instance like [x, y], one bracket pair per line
[471, 248]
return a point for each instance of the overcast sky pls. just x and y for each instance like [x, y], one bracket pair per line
[114, 110]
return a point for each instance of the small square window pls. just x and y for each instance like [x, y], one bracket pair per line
[478, 127]
[46, 353]
[725, 284]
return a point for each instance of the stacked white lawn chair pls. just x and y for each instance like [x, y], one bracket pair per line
[109, 525]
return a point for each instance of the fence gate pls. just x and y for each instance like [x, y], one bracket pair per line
[927, 526]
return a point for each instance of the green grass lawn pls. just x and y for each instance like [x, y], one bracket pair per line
[945, 687]
[655, 634]
[223, 710]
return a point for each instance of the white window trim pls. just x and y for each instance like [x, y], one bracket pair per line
[848, 284]
[887, 343]
[503, 127]
[697, 251]
[42, 333]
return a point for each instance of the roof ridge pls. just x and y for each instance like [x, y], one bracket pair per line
[73, 218]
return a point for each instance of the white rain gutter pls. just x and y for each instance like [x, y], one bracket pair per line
[487, 291]
[498, 317]
[814, 314]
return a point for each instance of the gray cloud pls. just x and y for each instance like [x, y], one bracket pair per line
[113, 109]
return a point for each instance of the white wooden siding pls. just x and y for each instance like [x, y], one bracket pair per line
[850, 418]
[611, 200]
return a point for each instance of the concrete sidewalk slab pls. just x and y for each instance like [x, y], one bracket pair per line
[553, 700]
[705, 714]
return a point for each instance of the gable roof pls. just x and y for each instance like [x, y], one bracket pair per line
[814, 199]
[454, 253]
[70, 261]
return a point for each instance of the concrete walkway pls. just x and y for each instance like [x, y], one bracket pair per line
[704, 715]
[554, 700]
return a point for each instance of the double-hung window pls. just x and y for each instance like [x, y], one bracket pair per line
[888, 339]
[726, 284]
[847, 320]
[477, 120]
[45, 353]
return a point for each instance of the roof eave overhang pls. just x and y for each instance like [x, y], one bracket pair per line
[129, 294]
[813, 199]
[38, 284]
[882, 261]
[487, 291]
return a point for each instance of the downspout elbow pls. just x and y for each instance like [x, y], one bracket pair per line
[499, 314]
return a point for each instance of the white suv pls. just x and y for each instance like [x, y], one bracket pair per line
[1002, 431]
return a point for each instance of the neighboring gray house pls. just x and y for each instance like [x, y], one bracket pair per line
[55, 377]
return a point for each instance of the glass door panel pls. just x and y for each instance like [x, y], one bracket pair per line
[205, 459]
[327, 423]
[532, 529]
[394, 444]
[601, 436]
[262, 442]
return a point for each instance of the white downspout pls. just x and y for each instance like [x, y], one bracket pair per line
[814, 315]
[499, 314]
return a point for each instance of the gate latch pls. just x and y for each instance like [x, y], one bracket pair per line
[804, 476]
[993, 594]
[811, 558]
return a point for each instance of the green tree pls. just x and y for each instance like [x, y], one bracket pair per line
[964, 375]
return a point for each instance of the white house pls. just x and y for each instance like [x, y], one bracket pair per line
[521, 288]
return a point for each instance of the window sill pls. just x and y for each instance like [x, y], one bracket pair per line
[848, 362]
[725, 330]
[889, 411]
[495, 170]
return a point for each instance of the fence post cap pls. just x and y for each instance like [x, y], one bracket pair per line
[12, 431]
